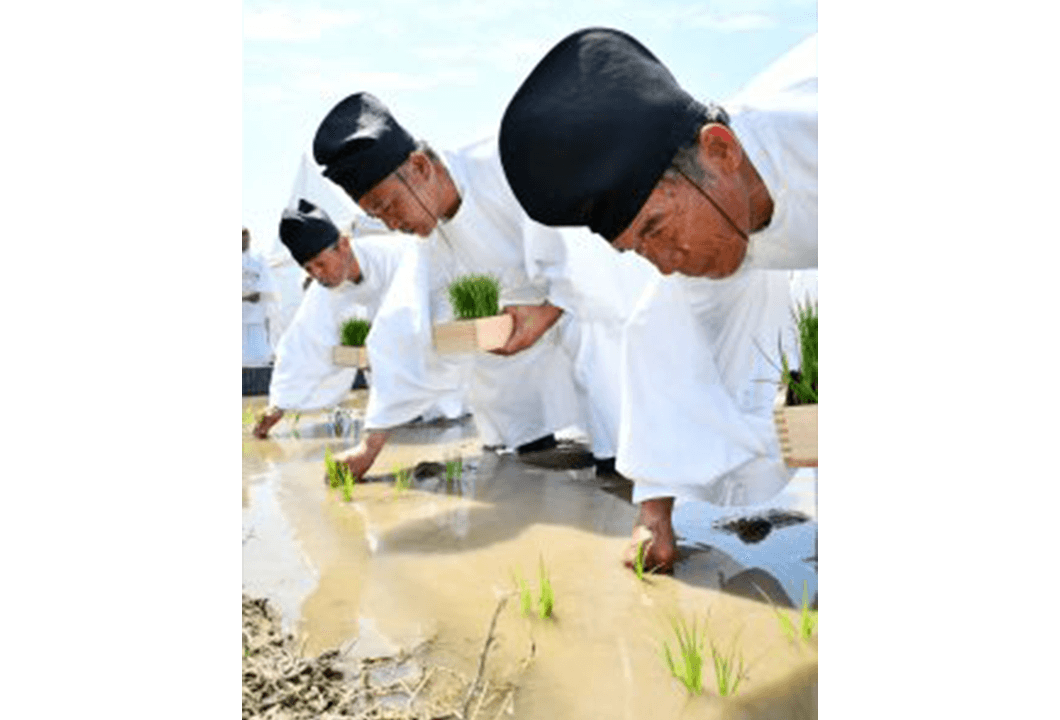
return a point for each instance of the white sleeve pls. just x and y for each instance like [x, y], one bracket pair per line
[408, 376]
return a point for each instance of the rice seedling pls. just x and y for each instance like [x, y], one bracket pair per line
[354, 332]
[453, 470]
[475, 296]
[294, 424]
[332, 467]
[526, 600]
[687, 666]
[546, 599]
[347, 482]
[807, 617]
[402, 479]
[728, 668]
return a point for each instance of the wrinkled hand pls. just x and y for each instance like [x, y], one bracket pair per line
[265, 423]
[529, 323]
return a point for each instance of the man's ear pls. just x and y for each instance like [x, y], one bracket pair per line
[719, 149]
[419, 164]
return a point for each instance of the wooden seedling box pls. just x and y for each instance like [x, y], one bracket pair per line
[462, 336]
[348, 356]
[796, 430]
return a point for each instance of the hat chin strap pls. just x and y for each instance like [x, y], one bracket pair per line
[437, 220]
[717, 207]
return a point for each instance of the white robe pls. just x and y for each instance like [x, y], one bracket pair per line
[407, 378]
[701, 361]
[596, 286]
[522, 397]
[257, 336]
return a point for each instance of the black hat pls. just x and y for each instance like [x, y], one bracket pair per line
[592, 129]
[359, 143]
[307, 231]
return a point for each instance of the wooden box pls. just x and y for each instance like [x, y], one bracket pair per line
[462, 336]
[796, 430]
[347, 356]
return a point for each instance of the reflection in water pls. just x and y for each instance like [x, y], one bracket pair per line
[389, 569]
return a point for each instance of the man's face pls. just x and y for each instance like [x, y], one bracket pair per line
[678, 230]
[329, 267]
[393, 202]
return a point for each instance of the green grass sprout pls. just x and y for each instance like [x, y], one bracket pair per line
[402, 479]
[334, 474]
[347, 482]
[807, 617]
[526, 600]
[354, 332]
[546, 599]
[728, 668]
[475, 296]
[688, 664]
[453, 470]
[638, 561]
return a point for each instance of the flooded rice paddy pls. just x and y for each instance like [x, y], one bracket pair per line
[394, 569]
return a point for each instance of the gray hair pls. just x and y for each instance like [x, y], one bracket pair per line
[686, 159]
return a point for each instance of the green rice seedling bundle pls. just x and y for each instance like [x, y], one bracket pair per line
[807, 616]
[332, 467]
[475, 296]
[803, 383]
[355, 332]
[347, 482]
[686, 662]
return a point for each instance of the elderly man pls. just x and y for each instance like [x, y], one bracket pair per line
[384, 278]
[462, 205]
[601, 135]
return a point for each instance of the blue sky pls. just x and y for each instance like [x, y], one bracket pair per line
[448, 69]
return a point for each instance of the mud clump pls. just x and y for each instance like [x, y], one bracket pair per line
[280, 684]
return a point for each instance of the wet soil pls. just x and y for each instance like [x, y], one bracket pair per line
[423, 569]
[279, 682]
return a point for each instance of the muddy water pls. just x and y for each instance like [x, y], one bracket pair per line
[393, 568]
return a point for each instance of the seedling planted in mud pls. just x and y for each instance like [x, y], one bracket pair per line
[332, 467]
[402, 479]
[638, 561]
[728, 668]
[347, 482]
[339, 475]
[526, 600]
[546, 600]
[807, 617]
[475, 296]
[688, 667]
[453, 470]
